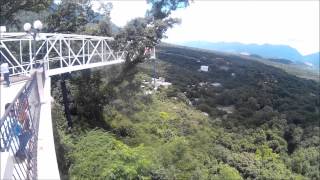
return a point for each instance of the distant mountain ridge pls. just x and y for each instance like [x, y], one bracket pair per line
[265, 50]
[313, 59]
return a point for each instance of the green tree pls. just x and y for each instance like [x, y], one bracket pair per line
[162, 8]
[147, 32]
[89, 96]
[264, 153]
[98, 155]
[70, 17]
[306, 162]
[227, 172]
[9, 8]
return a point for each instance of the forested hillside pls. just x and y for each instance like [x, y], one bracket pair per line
[240, 120]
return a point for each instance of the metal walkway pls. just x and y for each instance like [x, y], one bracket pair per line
[58, 53]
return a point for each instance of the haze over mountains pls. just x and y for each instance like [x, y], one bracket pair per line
[265, 50]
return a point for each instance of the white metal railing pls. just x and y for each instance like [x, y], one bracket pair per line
[19, 130]
[56, 51]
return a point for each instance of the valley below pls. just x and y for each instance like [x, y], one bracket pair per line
[242, 119]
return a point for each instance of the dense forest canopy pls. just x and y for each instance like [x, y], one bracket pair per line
[240, 120]
[187, 131]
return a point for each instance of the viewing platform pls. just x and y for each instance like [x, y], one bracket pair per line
[27, 148]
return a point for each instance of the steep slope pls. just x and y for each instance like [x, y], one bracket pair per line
[242, 73]
[240, 120]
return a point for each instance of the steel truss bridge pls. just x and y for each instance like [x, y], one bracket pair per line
[58, 53]
[39, 57]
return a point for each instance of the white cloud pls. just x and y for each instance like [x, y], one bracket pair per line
[125, 10]
[295, 23]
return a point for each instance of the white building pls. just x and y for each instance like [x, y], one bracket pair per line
[160, 82]
[216, 84]
[204, 68]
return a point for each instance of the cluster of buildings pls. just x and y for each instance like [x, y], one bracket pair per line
[155, 84]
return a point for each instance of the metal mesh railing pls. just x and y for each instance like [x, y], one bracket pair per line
[19, 130]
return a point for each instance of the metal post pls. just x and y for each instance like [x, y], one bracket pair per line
[30, 54]
[83, 51]
[34, 49]
[88, 50]
[154, 72]
[102, 53]
[69, 53]
[21, 52]
[47, 56]
[60, 52]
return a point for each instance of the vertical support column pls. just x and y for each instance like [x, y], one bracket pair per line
[30, 54]
[83, 51]
[88, 51]
[60, 44]
[47, 166]
[102, 51]
[69, 53]
[47, 56]
[21, 52]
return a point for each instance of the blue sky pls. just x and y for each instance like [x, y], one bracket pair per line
[294, 23]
